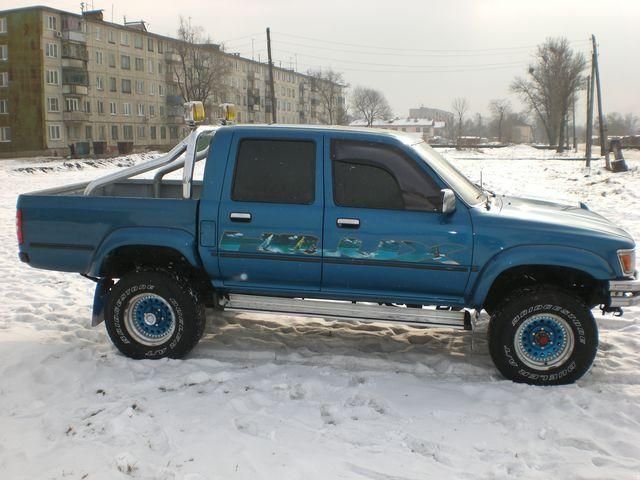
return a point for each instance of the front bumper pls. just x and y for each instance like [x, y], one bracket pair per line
[624, 293]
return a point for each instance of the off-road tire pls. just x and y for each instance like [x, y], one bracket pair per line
[171, 293]
[520, 322]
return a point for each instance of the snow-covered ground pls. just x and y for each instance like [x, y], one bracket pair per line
[275, 397]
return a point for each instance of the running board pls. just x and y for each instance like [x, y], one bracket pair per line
[347, 311]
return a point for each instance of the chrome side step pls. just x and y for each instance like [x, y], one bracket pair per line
[347, 310]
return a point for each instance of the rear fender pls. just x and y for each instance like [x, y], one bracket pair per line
[179, 240]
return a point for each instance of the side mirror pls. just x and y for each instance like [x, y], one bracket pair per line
[448, 201]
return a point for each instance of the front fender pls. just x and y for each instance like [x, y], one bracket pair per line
[539, 255]
[179, 240]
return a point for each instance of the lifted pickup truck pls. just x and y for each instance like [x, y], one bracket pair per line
[332, 222]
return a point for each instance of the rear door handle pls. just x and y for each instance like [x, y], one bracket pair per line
[348, 223]
[240, 217]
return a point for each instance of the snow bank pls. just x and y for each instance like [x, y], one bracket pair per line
[267, 396]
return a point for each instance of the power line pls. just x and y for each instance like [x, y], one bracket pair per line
[417, 49]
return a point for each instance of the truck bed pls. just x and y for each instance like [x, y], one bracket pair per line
[62, 228]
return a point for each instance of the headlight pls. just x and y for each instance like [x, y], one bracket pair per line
[627, 259]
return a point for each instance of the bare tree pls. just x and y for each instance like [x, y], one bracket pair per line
[554, 77]
[499, 108]
[199, 66]
[618, 124]
[370, 104]
[329, 86]
[460, 106]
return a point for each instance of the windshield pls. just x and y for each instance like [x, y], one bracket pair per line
[470, 192]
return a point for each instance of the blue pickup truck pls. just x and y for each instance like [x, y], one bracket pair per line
[330, 222]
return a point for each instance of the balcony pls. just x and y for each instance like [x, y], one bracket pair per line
[171, 57]
[75, 89]
[74, 36]
[74, 116]
[75, 76]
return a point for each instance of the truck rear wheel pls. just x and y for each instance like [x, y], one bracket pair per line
[154, 314]
[543, 336]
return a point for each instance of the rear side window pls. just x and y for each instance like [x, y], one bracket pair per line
[370, 175]
[275, 171]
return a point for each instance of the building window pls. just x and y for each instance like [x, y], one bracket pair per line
[139, 64]
[5, 134]
[127, 132]
[126, 109]
[141, 132]
[152, 89]
[112, 60]
[87, 106]
[71, 104]
[113, 109]
[150, 44]
[125, 62]
[98, 34]
[162, 110]
[150, 66]
[88, 132]
[111, 37]
[4, 52]
[112, 84]
[124, 38]
[160, 67]
[160, 46]
[3, 25]
[163, 133]
[52, 50]
[160, 89]
[100, 108]
[53, 77]
[137, 41]
[54, 132]
[114, 132]
[141, 109]
[51, 23]
[99, 82]
[140, 86]
[152, 110]
[98, 57]
[102, 132]
[4, 106]
[126, 85]
[52, 104]
[152, 132]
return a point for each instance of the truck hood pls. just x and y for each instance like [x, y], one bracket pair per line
[564, 216]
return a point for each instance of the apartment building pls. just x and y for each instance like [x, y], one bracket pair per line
[74, 83]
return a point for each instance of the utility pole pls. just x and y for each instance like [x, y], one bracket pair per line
[573, 115]
[589, 138]
[271, 85]
[604, 151]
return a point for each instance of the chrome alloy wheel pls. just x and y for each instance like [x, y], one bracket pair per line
[149, 319]
[544, 341]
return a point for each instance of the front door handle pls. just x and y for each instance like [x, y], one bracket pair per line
[240, 217]
[348, 223]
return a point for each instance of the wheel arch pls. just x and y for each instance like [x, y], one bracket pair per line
[573, 269]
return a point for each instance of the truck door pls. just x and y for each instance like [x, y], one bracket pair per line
[384, 234]
[270, 216]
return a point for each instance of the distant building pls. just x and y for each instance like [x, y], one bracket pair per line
[422, 127]
[75, 83]
[431, 113]
[520, 132]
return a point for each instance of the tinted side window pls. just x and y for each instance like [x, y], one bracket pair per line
[369, 175]
[275, 171]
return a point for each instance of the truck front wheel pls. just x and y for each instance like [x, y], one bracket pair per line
[542, 336]
[154, 314]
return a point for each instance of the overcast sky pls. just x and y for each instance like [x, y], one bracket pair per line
[416, 52]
